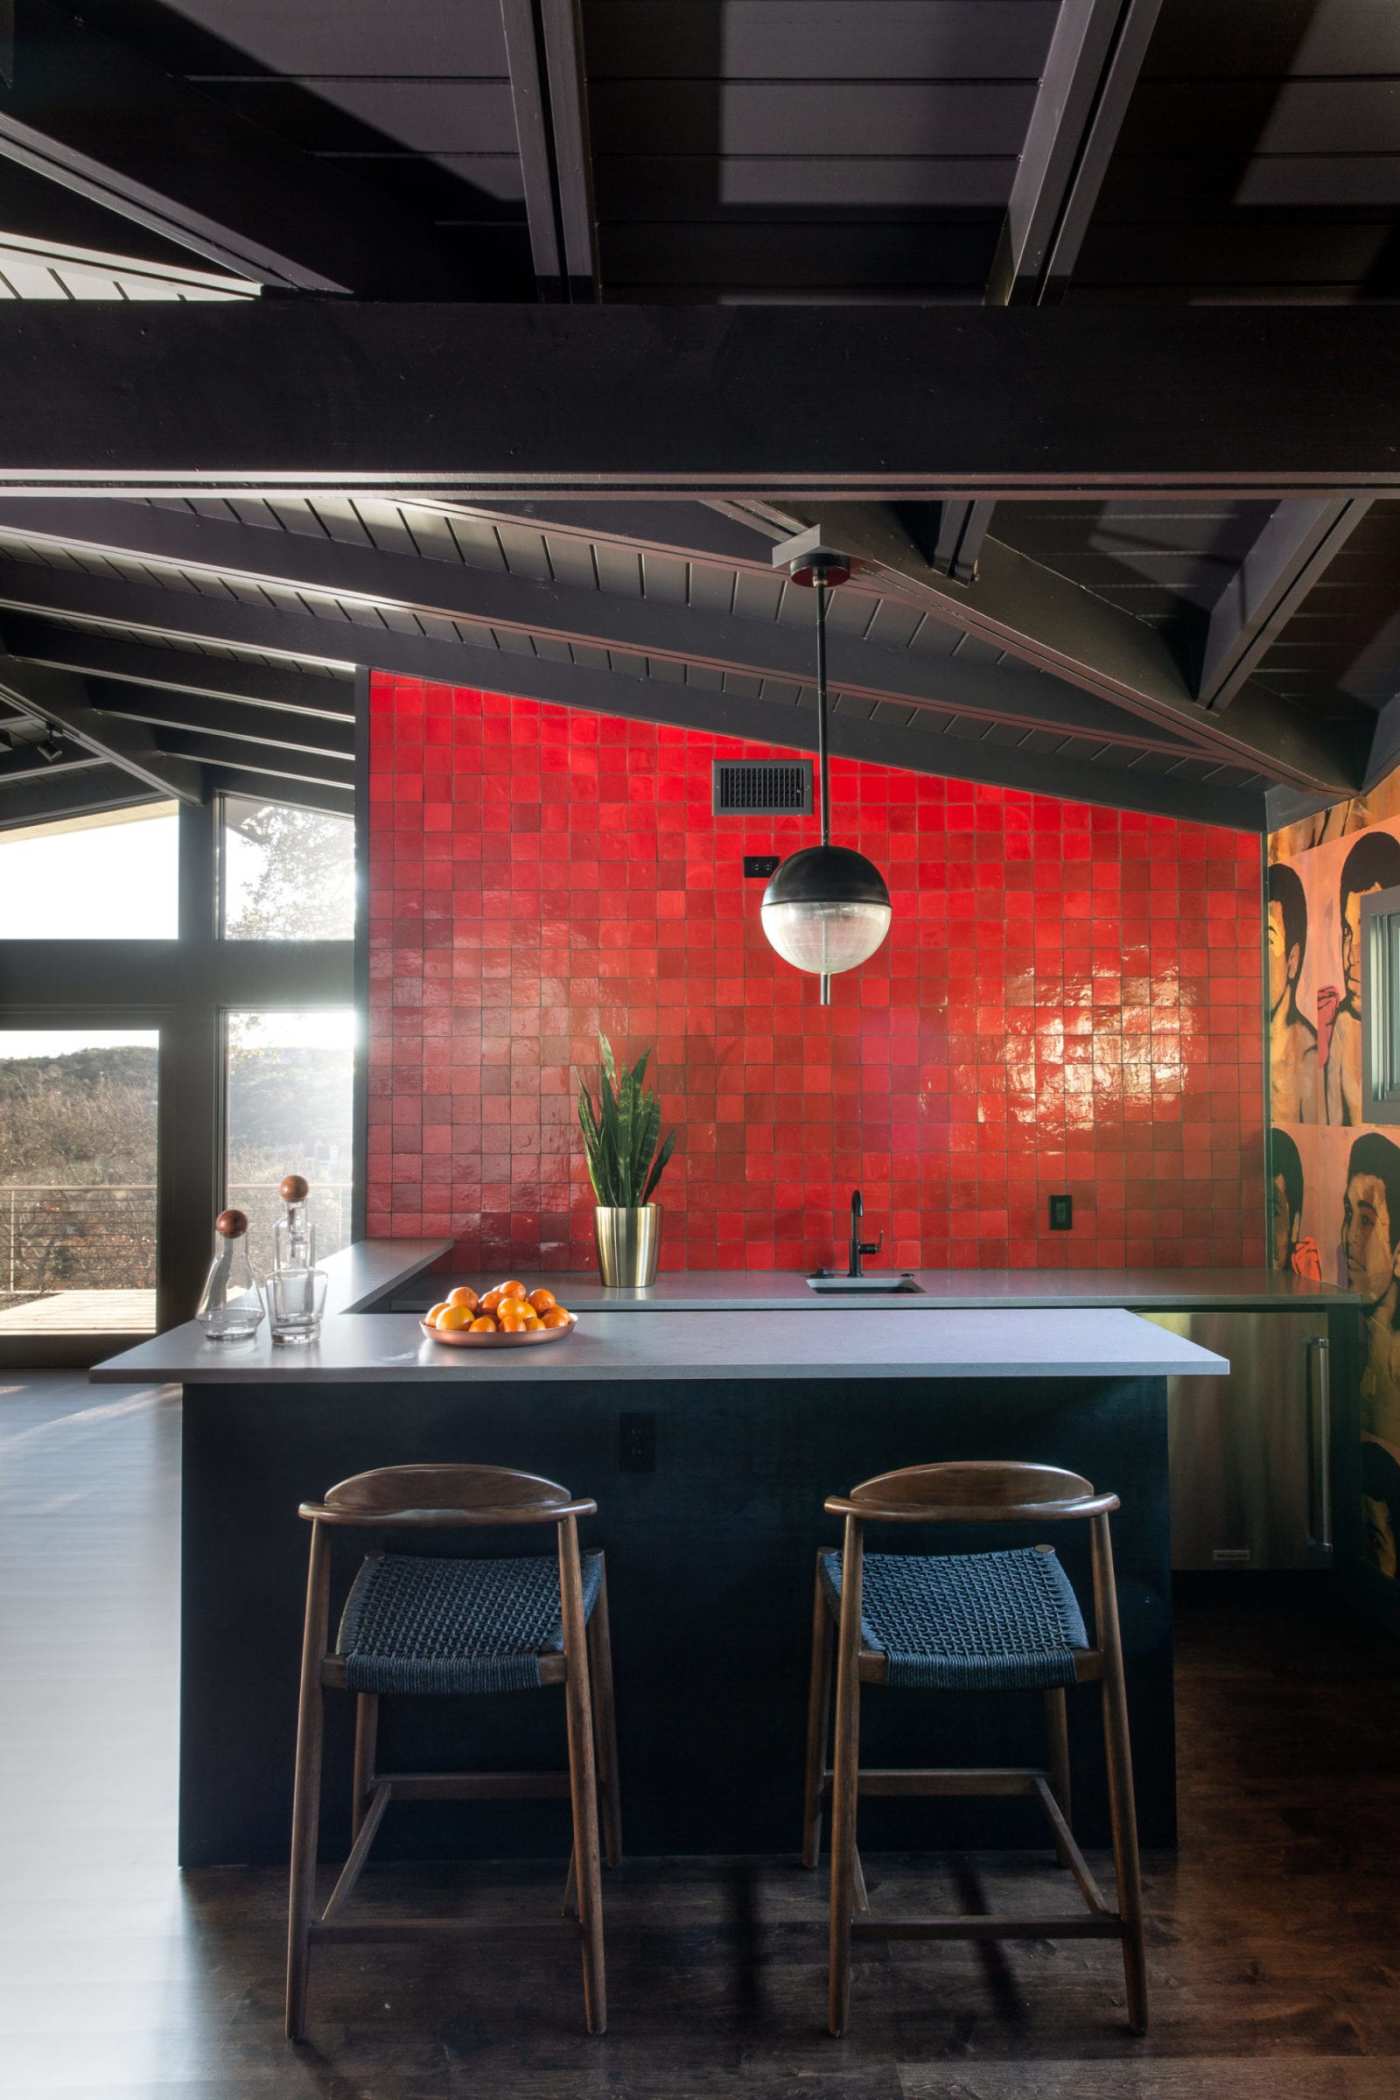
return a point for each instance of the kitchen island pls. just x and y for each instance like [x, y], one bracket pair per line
[709, 1443]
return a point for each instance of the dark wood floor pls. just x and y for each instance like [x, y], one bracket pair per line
[1274, 1937]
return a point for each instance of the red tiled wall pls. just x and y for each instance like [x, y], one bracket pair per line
[1068, 999]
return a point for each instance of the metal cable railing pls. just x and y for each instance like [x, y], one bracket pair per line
[102, 1235]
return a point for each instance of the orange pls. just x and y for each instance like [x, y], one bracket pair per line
[431, 1316]
[463, 1295]
[484, 1325]
[513, 1289]
[452, 1319]
[555, 1317]
[489, 1303]
[512, 1324]
[543, 1300]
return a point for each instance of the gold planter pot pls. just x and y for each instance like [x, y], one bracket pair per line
[629, 1240]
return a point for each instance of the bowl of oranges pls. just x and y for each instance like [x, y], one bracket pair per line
[504, 1318]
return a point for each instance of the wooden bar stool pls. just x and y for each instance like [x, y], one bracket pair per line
[1005, 1621]
[415, 1624]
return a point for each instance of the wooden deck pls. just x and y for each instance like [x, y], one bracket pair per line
[82, 1312]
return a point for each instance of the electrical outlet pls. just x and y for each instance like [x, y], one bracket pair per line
[1061, 1213]
[759, 866]
[636, 1443]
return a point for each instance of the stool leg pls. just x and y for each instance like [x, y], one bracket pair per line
[1057, 1728]
[366, 1745]
[845, 1782]
[583, 1781]
[605, 1723]
[1122, 1807]
[306, 1793]
[818, 1722]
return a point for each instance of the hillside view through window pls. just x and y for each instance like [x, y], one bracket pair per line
[78, 1180]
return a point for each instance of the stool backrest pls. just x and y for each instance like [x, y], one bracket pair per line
[979, 1491]
[438, 1498]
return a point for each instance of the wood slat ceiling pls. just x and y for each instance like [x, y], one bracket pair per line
[796, 150]
[1259, 159]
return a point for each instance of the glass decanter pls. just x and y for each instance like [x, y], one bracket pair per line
[294, 1235]
[230, 1305]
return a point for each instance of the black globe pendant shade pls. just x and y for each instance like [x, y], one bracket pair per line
[827, 908]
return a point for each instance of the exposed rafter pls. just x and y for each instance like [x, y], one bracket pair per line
[84, 111]
[957, 542]
[549, 96]
[113, 656]
[505, 604]
[531, 111]
[273, 760]
[704, 704]
[24, 763]
[527, 402]
[1092, 66]
[269, 729]
[562, 23]
[1299, 542]
[1046, 620]
[59, 698]
[260, 787]
[46, 801]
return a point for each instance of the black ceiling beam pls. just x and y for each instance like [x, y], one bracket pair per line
[1096, 52]
[88, 113]
[549, 98]
[530, 106]
[1292, 552]
[24, 763]
[86, 794]
[908, 403]
[57, 697]
[957, 540]
[325, 770]
[263, 787]
[685, 705]
[145, 663]
[1046, 620]
[268, 728]
[508, 604]
[562, 24]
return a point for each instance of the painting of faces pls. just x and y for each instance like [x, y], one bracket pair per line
[1334, 1182]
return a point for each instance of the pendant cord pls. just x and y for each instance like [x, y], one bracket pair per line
[822, 755]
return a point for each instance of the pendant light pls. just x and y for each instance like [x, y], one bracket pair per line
[826, 909]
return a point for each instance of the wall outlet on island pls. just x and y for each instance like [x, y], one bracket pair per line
[636, 1443]
[1061, 1213]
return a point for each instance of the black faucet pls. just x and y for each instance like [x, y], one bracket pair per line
[859, 1246]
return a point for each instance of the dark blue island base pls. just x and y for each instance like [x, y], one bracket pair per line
[710, 1560]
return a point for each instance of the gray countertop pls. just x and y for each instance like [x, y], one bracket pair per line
[973, 1290]
[609, 1346]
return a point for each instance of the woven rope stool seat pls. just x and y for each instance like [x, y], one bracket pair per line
[992, 1622]
[462, 1625]
[413, 1624]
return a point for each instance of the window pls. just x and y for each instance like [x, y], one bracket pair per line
[1380, 1006]
[108, 877]
[78, 1181]
[288, 874]
[288, 1110]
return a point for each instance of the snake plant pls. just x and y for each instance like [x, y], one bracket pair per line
[620, 1135]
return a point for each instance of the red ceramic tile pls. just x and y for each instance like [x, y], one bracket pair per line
[1067, 999]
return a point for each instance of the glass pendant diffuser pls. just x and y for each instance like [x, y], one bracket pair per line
[826, 909]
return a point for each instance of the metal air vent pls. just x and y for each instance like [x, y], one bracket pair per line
[762, 787]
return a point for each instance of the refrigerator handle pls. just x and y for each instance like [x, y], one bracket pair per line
[1319, 1385]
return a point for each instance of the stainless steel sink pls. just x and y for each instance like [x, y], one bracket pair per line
[864, 1284]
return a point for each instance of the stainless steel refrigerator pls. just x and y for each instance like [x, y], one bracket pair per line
[1250, 1454]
